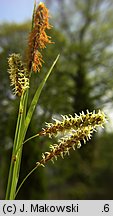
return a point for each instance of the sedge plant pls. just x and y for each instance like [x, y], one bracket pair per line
[73, 130]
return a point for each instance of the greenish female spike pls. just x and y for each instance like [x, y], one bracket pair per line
[65, 144]
[78, 128]
[18, 74]
[69, 123]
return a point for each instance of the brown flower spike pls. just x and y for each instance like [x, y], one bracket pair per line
[38, 39]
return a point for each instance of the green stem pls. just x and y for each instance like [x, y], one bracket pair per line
[9, 180]
[13, 153]
[20, 139]
[26, 179]
[15, 164]
[34, 136]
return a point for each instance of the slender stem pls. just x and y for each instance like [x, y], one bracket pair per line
[34, 136]
[20, 138]
[26, 179]
[13, 153]
[9, 180]
[15, 164]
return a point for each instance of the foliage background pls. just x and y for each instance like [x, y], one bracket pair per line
[82, 79]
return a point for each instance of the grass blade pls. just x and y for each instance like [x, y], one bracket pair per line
[36, 97]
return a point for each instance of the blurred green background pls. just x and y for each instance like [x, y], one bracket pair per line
[82, 79]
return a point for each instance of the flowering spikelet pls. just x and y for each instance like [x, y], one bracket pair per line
[69, 123]
[18, 74]
[38, 37]
[79, 129]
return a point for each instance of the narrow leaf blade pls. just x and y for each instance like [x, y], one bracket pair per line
[37, 95]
